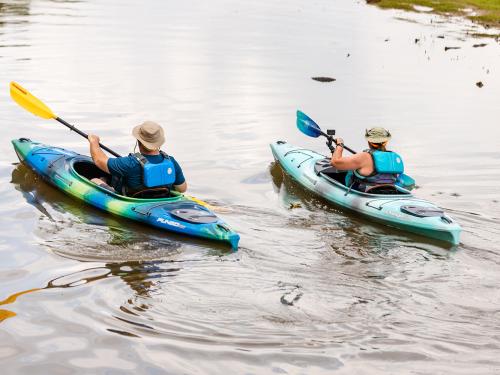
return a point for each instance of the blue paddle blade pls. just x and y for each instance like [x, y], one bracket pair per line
[307, 126]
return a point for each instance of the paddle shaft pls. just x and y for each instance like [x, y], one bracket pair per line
[86, 136]
[307, 126]
[330, 138]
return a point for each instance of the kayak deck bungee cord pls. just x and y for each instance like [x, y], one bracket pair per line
[71, 173]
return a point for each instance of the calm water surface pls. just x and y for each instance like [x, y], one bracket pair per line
[312, 290]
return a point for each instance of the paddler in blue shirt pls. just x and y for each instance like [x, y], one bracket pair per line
[373, 168]
[150, 173]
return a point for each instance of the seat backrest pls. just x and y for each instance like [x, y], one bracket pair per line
[151, 193]
[382, 189]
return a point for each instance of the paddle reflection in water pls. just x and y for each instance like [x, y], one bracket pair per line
[82, 230]
[143, 278]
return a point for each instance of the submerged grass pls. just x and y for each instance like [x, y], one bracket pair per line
[487, 12]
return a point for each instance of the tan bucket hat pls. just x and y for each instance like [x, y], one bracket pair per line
[150, 134]
[377, 135]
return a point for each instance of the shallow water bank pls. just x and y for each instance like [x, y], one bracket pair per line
[486, 12]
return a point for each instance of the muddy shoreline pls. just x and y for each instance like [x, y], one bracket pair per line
[485, 13]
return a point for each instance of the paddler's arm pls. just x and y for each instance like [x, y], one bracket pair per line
[180, 183]
[345, 163]
[181, 188]
[98, 155]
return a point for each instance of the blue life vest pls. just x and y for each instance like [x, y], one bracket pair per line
[157, 175]
[387, 165]
[387, 162]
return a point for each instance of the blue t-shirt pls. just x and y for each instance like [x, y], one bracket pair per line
[128, 171]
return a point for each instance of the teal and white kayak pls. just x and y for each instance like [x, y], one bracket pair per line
[399, 209]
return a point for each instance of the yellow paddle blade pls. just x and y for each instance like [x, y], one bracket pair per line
[207, 205]
[200, 202]
[29, 102]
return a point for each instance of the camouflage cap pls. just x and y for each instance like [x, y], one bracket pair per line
[377, 135]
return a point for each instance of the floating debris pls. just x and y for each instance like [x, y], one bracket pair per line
[479, 84]
[440, 36]
[480, 45]
[348, 54]
[386, 40]
[292, 294]
[447, 48]
[324, 79]
[290, 298]
[295, 205]
[417, 40]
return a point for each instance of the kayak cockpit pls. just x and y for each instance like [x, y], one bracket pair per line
[89, 170]
[86, 169]
[324, 168]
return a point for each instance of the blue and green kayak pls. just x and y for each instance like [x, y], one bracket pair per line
[398, 208]
[71, 173]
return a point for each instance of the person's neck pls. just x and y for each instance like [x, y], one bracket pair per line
[375, 148]
[149, 152]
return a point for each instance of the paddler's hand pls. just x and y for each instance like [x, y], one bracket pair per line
[98, 156]
[330, 146]
[339, 142]
[93, 139]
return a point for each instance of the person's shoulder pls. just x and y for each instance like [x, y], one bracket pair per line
[123, 158]
[173, 159]
[365, 156]
[130, 160]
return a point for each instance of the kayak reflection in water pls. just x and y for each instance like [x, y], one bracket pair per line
[150, 173]
[373, 168]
